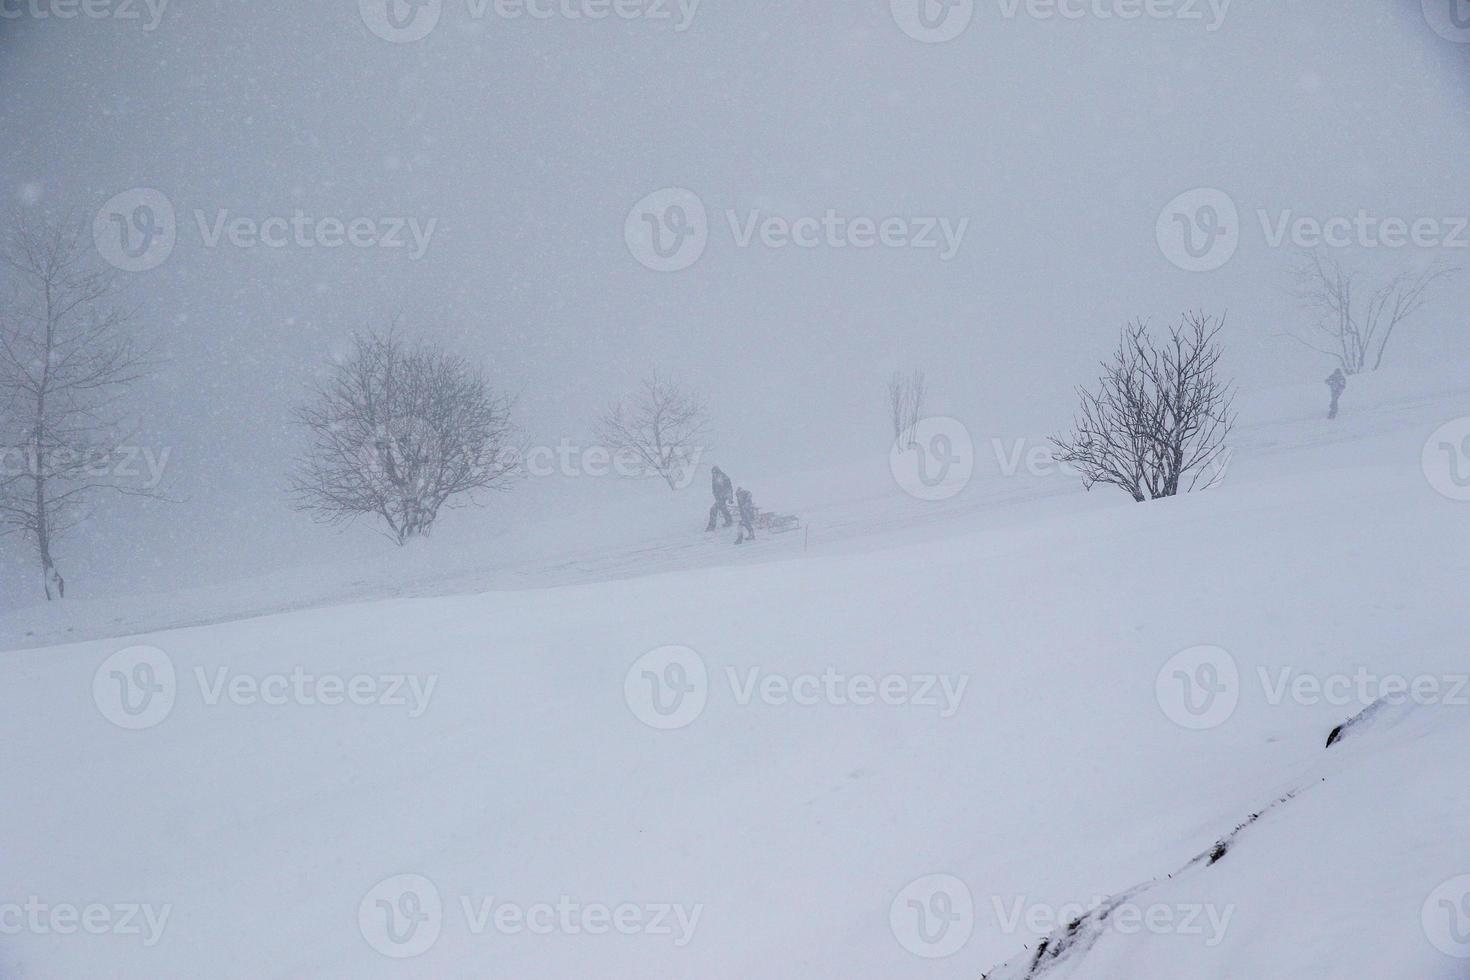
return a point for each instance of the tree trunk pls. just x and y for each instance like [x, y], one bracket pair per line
[54, 583]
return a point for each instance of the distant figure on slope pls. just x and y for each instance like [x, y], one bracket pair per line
[720, 487]
[1337, 381]
[747, 516]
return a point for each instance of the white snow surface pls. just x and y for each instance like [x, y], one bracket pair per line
[791, 830]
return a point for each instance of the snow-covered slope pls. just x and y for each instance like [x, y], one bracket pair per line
[1354, 866]
[1026, 750]
[611, 528]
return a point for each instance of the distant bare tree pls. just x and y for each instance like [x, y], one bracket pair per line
[1357, 333]
[1159, 421]
[906, 394]
[67, 356]
[397, 431]
[660, 426]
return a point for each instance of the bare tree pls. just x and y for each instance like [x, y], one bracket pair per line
[67, 356]
[1357, 333]
[1159, 421]
[660, 426]
[906, 394]
[397, 431]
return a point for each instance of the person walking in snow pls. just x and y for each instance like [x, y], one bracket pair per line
[720, 487]
[1337, 382]
[747, 516]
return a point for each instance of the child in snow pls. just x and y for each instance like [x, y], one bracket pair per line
[747, 516]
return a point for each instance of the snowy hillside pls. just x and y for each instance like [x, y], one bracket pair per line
[912, 740]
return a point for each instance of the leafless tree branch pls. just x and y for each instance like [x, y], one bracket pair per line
[661, 426]
[1159, 420]
[398, 431]
[67, 356]
[1356, 331]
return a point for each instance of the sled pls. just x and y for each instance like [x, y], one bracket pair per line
[766, 520]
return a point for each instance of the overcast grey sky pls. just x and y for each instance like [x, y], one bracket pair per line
[527, 141]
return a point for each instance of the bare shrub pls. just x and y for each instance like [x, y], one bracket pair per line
[397, 432]
[1159, 420]
[661, 426]
[1356, 331]
[906, 395]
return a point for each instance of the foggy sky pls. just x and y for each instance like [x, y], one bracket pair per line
[528, 141]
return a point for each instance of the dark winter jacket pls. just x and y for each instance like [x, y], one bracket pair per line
[720, 485]
[1337, 381]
